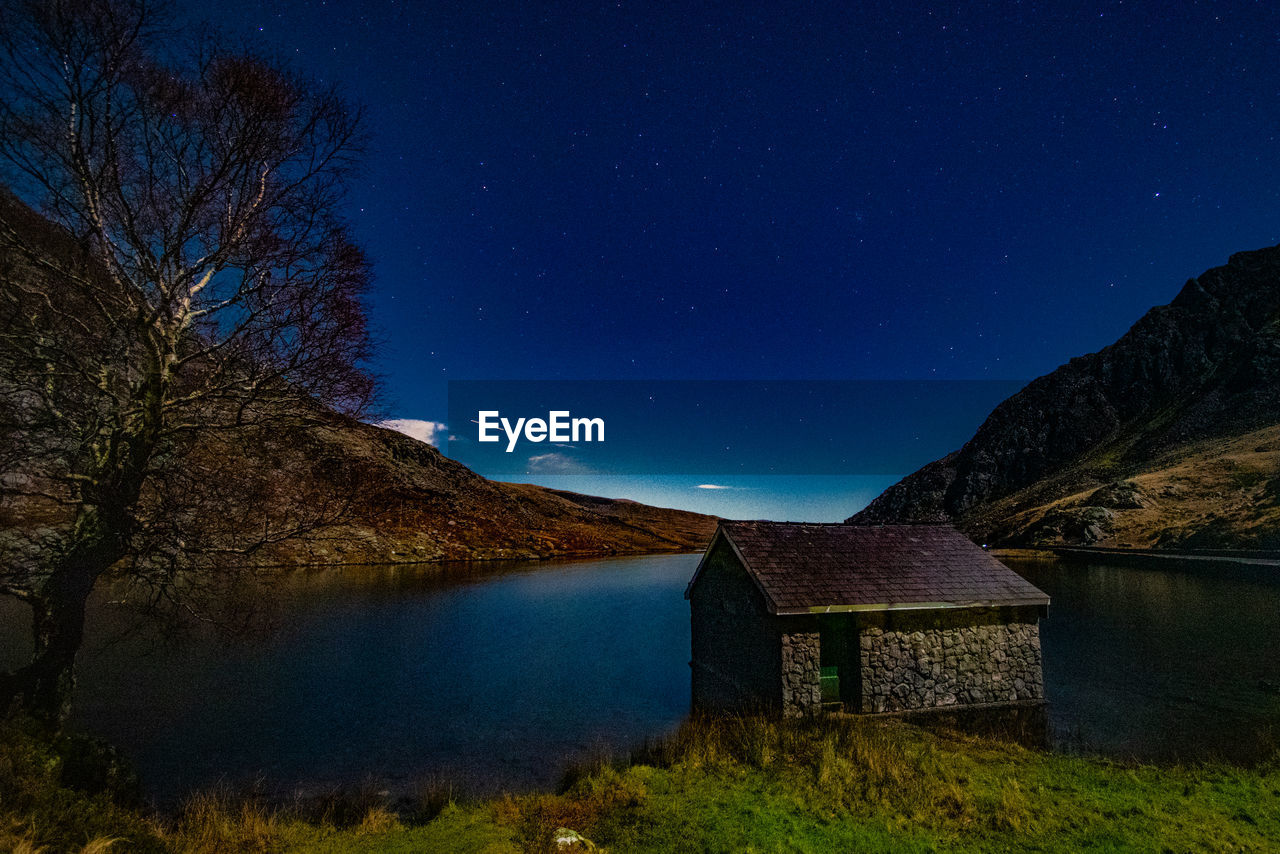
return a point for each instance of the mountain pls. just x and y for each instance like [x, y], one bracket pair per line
[1168, 438]
[417, 504]
[401, 499]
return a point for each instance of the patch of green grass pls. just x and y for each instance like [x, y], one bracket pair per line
[473, 830]
[837, 784]
[750, 784]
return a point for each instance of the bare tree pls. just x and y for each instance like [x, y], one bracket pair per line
[200, 297]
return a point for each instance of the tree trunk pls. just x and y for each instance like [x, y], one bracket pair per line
[43, 687]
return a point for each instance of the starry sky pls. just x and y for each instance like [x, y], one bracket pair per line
[820, 191]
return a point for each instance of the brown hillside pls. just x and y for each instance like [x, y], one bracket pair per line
[404, 500]
[420, 505]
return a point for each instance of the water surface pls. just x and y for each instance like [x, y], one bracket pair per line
[497, 675]
[1180, 663]
[494, 676]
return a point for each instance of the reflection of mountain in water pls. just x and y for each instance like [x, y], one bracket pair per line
[1159, 664]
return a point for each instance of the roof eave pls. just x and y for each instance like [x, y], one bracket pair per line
[720, 533]
[910, 606]
[688, 588]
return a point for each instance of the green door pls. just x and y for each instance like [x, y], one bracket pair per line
[839, 673]
[830, 680]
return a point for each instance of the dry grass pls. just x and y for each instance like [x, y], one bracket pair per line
[215, 822]
[856, 764]
[1219, 489]
[17, 841]
[377, 820]
[606, 790]
[99, 846]
[429, 798]
[226, 821]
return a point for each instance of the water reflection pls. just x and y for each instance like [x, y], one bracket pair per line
[495, 677]
[492, 678]
[1168, 664]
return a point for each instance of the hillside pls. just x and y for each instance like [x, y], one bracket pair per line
[1168, 438]
[398, 499]
[419, 505]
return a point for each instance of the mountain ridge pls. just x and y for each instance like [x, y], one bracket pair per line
[1180, 386]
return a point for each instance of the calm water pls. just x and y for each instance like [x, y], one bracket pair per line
[497, 678]
[494, 677]
[1162, 664]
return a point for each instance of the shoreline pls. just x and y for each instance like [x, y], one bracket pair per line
[1149, 558]
[488, 559]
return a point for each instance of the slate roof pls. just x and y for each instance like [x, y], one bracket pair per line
[804, 568]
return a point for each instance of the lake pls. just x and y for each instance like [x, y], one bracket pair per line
[495, 676]
[1173, 664]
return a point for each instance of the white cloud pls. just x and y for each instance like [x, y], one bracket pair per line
[424, 431]
[712, 486]
[556, 463]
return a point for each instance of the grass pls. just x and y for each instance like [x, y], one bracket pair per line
[1205, 494]
[717, 784]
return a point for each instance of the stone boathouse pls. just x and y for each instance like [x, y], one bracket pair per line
[794, 618]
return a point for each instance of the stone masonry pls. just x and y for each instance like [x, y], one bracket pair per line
[921, 660]
[801, 689]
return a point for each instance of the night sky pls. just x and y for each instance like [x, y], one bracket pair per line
[785, 190]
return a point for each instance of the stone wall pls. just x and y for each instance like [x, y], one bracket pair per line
[736, 661]
[965, 656]
[801, 672]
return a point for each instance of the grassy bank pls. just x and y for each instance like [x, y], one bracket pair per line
[716, 785]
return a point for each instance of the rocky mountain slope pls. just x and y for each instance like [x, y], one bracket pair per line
[1169, 437]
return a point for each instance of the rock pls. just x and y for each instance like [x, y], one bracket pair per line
[1118, 495]
[566, 840]
[1073, 525]
[1204, 366]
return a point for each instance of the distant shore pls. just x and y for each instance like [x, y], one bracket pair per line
[1206, 558]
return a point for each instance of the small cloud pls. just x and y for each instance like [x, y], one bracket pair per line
[712, 486]
[424, 431]
[556, 463]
